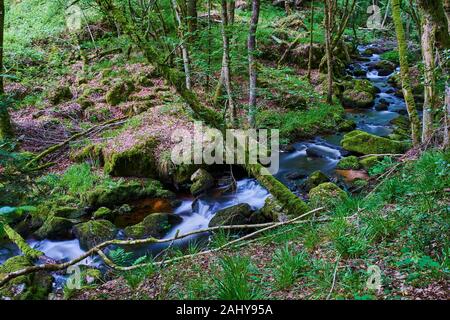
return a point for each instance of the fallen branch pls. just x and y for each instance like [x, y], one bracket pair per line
[98, 249]
[21, 243]
[67, 141]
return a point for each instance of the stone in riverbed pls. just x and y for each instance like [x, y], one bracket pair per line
[104, 213]
[202, 181]
[366, 143]
[357, 99]
[350, 162]
[55, 228]
[94, 232]
[368, 162]
[273, 210]
[314, 179]
[326, 195]
[155, 225]
[235, 215]
[33, 286]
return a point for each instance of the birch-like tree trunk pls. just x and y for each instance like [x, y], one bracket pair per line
[226, 73]
[183, 45]
[5, 122]
[328, 7]
[404, 73]
[252, 63]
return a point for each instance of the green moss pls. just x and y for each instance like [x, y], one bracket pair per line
[89, 152]
[34, 286]
[94, 232]
[314, 179]
[55, 228]
[368, 162]
[119, 92]
[347, 163]
[202, 181]
[138, 161]
[326, 195]
[364, 85]
[366, 143]
[357, 99]
[235, 215]
[155, 225]
[123, 192]
[103, 213]
[60, 94]
[273, 210]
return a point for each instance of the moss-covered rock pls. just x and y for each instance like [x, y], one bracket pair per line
[103, 213]
[357, 99]
[314, 179]
[326, 195]
[366, 143]
[137, 161]
[350, 162]
[108, 196]
[235, 215]
[92, 152]
[273, 210]
[60, 94]
[384, 67]
[346, 125]
[155, 225]
[364, 85]
[368, 162]
[119, 92]
[55, 228]
[34, 286]
[94, 232]
[202, 181]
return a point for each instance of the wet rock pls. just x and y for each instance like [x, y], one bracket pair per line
[273, 210]
[202, 181]
[366, 143]
[346, 125]
[155, 225]
[351, 175]
[326, 195]
[55, 228]
[368, 162]
[235, 215]
[314, 179]
[350, 162]
[295, 176]
[33, 286]
[104, 213]
[384, 67]
[382, 104]
[94, 232]
[357, 99]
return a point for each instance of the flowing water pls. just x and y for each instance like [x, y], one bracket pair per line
[321, 153]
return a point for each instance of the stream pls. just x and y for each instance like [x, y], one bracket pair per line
[321, 153]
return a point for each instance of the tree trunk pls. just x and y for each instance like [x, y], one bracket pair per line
[252, 63]
[311, 38]
[226, 61]
[231, 9]
[5, 122]
[428, 47]
[183, 45]
[327, 25]
[404, 73]
[192, 16]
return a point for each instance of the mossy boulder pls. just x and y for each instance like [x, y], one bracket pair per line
[119, 92]
[384, 67]
[155, 225]
[34, 286]
[314, 179]
[137, 161]
[365, 85]
[368, 162]
[235, 215]
[350, 162]
[123, 192]
[55, 228]
[60, 94]
[91, 152]
[346, 125]
[366, 143]
[202, 181]
[353, 98]
[94, 232]
[103, 213]
[326, 195]
[273, 210]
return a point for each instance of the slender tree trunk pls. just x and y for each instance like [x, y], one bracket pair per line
[311, 39]
[404, 73]
[446, 142]
[226, 61]
[5, 122]
[252, 63]
[192, 15]
[327, 25]
[183, 45]
[231, 9]
[428, 47]
[287, 7]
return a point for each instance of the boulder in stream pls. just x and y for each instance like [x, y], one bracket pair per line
[235, 215]
[366, 143]
[94, 232]
[155, 225]
[314, 179]
[202, 181]
[326, 195]
[55, 228]
[350, 162]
